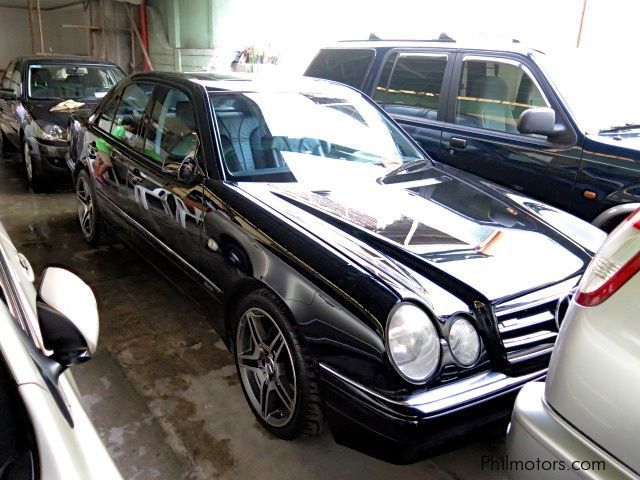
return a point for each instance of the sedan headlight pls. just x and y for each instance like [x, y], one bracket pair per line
[464, 342]
[413, 343]
[52, 132]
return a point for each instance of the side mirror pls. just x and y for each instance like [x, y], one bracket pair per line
[68, 316]
[189, 171]
[8, 94]
[540, 120]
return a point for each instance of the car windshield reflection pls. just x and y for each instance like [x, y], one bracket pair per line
[307, 138]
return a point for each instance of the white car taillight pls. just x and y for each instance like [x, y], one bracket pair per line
[616, 262]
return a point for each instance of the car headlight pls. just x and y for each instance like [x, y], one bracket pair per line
[464, 342]
[413, 343]
[52, 132]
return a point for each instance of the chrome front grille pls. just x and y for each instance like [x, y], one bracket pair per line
[527, 325]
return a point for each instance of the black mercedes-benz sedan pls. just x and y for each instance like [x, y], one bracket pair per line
[403, 301]
[37, 94]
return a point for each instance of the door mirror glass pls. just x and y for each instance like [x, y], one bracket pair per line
[68, 316]
[8, 94]
[538, 120]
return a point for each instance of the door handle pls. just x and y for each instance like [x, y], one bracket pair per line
[456, 142]
[135, 176]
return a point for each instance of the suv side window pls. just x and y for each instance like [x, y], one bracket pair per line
[128, 117]
[410, 84]
[493, 93]
[171, 135]
[349, 66]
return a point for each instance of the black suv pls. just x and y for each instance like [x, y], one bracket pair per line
[541, 124]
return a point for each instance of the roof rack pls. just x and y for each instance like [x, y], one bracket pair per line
[443, 37]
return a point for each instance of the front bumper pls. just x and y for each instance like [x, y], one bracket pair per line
[51, 156]
[540, 443]
[408, 429]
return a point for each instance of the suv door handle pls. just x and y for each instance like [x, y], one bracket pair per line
[456, 142]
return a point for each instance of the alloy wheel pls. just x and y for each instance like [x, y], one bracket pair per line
[266, 365]
[85, 207]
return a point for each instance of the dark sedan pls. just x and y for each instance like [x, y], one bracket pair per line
[37, 94]
[403, 301]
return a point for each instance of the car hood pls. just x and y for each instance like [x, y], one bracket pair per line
[41, 111]
[444, 221]
[624, 139]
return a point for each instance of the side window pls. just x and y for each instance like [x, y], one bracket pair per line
[171, 135]
[342, 65]
[108, 114]
[493, 94]
[410, 84]
[16, 79]
[8, 74]
[130, 111]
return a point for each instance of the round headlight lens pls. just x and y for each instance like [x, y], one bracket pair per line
[413, 341]
[464, 342]
[52, 132]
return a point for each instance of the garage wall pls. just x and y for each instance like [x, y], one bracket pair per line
[14, 34]
[70, 41]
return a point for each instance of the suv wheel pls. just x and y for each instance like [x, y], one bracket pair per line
[275, 372]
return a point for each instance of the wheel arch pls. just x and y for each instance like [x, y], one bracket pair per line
[611, 217]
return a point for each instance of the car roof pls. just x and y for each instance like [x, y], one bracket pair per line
[480, 43]
[71, 59]
[215, 82]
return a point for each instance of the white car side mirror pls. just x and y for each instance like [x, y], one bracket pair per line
[68, 316]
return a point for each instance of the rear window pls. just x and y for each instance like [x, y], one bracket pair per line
[348, 66]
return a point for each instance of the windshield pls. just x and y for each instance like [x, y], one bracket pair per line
[307, 137]
[53, 81]
[597, 86]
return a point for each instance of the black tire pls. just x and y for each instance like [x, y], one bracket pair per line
[32, 174]
[306, 417]
[92, 227]
[5, 143]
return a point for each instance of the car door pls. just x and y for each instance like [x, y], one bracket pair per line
[168, 205]
[118, 130]
[489, 92]
[412, 87]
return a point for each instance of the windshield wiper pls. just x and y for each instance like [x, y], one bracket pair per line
[406, 166]
[626, 126]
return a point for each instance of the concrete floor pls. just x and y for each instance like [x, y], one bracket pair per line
[162, 389]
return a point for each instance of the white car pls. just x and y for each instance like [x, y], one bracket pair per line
[44, 430]
[585, 421]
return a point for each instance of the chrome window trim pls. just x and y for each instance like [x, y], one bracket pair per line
[16, 302]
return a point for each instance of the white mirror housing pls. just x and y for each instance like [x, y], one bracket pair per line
[68, 315]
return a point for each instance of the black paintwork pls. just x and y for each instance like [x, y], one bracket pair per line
[557, 171]
[18, 117]
[339, 275]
